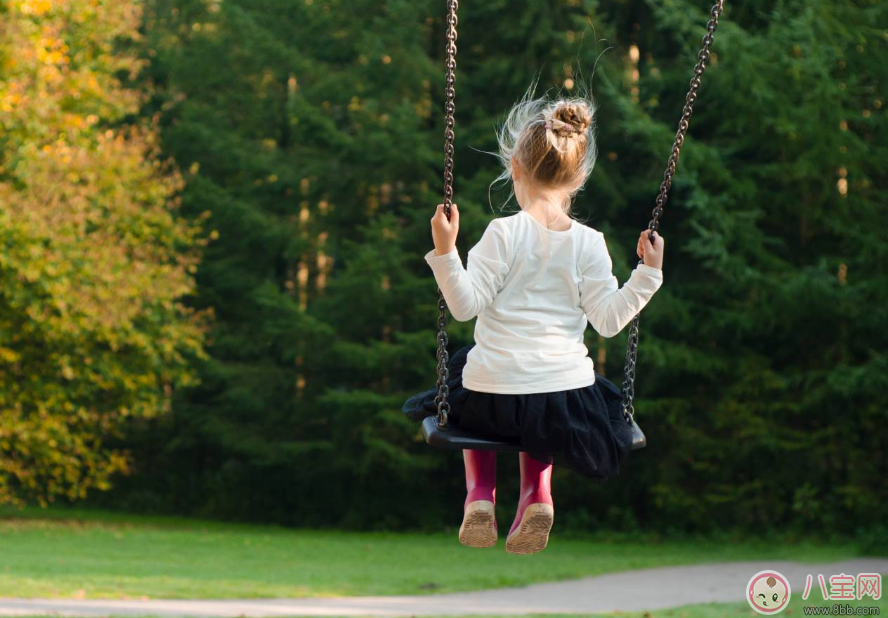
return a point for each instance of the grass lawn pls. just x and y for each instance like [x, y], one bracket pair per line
[70, 553]
[734, 610]
[710, 610]
[742, 610]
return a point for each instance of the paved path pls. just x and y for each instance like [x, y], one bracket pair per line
[647, 589]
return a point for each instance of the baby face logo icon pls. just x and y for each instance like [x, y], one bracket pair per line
[768, 592]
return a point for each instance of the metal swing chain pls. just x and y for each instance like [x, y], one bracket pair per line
[628, 388]
[449, 109]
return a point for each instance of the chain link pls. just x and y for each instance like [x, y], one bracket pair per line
[628, 388]
[449, 110]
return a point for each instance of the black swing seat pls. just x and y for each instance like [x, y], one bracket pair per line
[456, 439]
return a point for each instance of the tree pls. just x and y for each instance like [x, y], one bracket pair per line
[94, 261]
[762, 363]
[318, 151]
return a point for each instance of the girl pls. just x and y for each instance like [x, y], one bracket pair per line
[534, 280]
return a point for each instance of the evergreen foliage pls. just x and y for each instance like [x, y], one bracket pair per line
[312, 133]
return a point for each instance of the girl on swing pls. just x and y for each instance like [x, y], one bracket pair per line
[534, 280]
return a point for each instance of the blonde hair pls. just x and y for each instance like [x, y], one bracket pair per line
[552, 140]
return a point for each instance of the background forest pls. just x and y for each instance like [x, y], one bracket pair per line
[213, 214]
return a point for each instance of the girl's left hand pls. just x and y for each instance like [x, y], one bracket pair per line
[651, 253]
[443, 231]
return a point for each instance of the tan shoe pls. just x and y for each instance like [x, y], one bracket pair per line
[478, 528]
[531, 535]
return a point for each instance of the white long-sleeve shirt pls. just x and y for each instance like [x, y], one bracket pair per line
[534, 290]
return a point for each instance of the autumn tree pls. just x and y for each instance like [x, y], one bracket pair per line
[94, 262]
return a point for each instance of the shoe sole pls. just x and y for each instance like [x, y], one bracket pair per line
[532, 534]
[478, 528]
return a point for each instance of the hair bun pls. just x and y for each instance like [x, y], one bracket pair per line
[575, 115]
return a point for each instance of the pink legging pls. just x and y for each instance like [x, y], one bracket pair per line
[536, 478]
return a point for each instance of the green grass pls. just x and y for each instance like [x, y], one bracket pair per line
[65, 553]
[730, 610]
[741, 610]
[727, 610]
[735, 610]
[709, 610]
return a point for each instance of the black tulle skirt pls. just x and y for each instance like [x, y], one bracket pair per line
[582, 428]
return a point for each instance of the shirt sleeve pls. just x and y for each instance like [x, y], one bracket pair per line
[469, 290]
[608, 307]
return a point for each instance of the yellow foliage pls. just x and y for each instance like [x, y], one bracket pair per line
[33, 7]
[94, 257]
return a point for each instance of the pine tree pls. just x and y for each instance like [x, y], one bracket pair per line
[317, 149]
[761, 359]
[310, 150]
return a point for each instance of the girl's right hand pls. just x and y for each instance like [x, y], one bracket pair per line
[652, 254]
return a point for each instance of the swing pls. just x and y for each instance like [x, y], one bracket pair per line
[435, 429]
